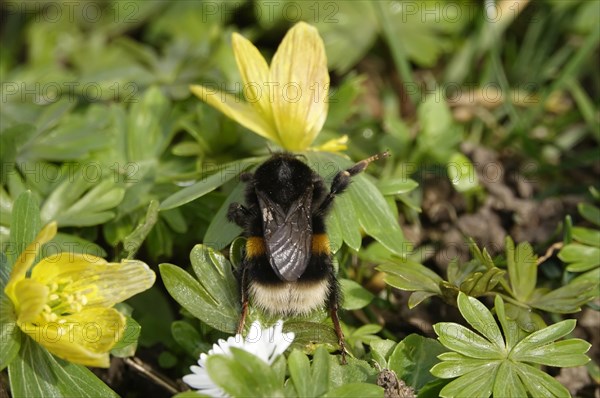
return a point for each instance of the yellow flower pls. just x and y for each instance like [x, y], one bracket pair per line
[286, 102]
[65, 303]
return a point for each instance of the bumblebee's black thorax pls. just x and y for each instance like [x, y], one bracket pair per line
[284, 178]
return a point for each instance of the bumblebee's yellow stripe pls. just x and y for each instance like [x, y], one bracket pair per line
[255, 246]
[320, 244]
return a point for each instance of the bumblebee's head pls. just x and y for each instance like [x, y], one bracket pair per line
[283, 177]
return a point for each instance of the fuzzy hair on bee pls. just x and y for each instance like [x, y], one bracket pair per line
[287, 267]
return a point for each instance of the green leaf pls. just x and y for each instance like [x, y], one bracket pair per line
[194, 297]
[411, 276]
[215, 274]
[522, 269]
[82, 200]
[568, 298]
[527, 319]
[354, 371]
[30, 374]
[538, 383]
[460, 339]
[349, 227]
[334, 230]
[478, 383]
[134, 240]
[10, 334]
[146, 130]
[566, 353]
[580, 257]
[208, 183]
[73, 244]
[510, 328]
[461, 173]
[320, 372]
[542, 337]
[356, 390]
[479, 283]
[186, 336]
[309, 334]
[25, 224]
[508, 383]
[397, 186]
[381, 351]
[413, 357]
[481, 255]
[11, 141]
[36, 373]
[455, 365]
[368, 204]
[77, 134]
[417, 298]
[481, 319]
[299, 367]
[375, 216]
[590, 213]
[355, 296]
[586, 236]
[365, 333]
[221, 231]
[53, 113]
[243, 375]
[127, 345]
[592, 277]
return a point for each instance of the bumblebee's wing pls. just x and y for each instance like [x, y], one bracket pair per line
[288, 235]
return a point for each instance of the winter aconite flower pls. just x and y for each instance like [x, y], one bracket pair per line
[286, 102]
[266, 344]
[65, 302]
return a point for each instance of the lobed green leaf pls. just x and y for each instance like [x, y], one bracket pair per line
[192, 296]
[411, 276]
[538, 383]
[481, 319]
[542, 337]
[460, 339]
[478, 383]
[522, 269]
[508, 383]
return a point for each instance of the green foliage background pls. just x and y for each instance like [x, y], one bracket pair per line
[99, 132]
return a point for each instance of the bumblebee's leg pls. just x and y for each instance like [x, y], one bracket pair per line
[338, 331]
[333, 301]
[238, 214]
[244, 300]
[342, 179]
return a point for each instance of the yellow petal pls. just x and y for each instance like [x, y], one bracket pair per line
[84, 338]
[26, 258]
[300, 102]
[234, 108]
[104, 284]
[31, 296]
[333, 145]
[255, 74]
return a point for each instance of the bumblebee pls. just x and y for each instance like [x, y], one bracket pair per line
[287, 268]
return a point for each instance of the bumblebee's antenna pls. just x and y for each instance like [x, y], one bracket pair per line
[360, 166]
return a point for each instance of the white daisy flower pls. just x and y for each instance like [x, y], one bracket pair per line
[267, 344]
